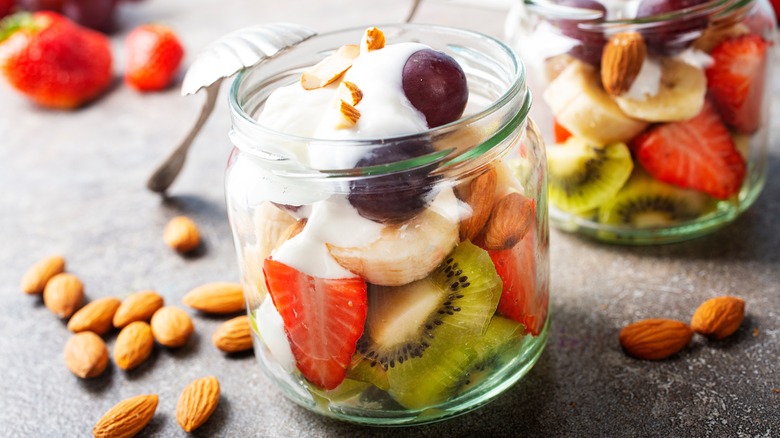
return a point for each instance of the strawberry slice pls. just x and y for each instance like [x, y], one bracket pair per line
[736, 80]
[520, 299]
[698, 153]
[560, 134]
[323, 319]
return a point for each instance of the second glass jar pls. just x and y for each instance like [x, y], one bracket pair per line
[656, 118]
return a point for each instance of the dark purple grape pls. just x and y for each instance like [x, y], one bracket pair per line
[398, 196]
[676, 35]
[95, 14]
[436, 85]
[592, 41]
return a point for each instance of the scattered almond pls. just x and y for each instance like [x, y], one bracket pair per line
[37, 275]
[139, 306]
[655, 339]
[350, 93]
[63, 294]
[133, 345]
[234, 335]
[349, 116]
[331, 68]
[479, 194]
[220, 298]
[621, 61]
[182, 234]
[509, 221]
[127, 418]
[172, 327]
[197, 402]
[86, 355]
[96, 316]
[719, 317]
[373, 39]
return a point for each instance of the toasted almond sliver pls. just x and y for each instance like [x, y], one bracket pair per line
[331, 68]
[350, 93]
[350, 115]
[373, 39]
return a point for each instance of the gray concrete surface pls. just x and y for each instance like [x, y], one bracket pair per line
[73, 183]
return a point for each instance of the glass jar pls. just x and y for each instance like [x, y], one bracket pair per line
[415, 318]
[657, 127]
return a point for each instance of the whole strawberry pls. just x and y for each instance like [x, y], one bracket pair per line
[53, 61]
[5, 7]
[154, 54]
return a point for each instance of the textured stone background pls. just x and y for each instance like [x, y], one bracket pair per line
[74, 183]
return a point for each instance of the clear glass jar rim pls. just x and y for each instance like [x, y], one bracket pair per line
[710, 8]
[517, 85]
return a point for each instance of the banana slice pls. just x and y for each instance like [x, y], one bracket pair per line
[680, 95]
[405, 252]
[581, 105]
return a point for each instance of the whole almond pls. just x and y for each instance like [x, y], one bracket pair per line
[139, 306]
[63, 294]
[219, 298]
[127, 418]
[479, 194]
[197, 402]
[233, 335]
[96, 316]
[719, 317]
[182, 234]
[621, 61]
[86, 355]
[509, 221]
[172, 327]
[133, 345]
[655, 339]
[37, 275]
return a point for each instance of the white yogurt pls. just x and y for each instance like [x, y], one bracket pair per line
[385, 112]
[647, 82]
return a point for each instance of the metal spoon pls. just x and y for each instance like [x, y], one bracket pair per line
[221, 59]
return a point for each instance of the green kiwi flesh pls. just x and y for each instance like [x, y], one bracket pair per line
[458, 298]
[582, 176]
[645, 202]
[448, 370]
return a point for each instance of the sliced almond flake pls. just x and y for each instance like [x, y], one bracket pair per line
[350, 93]
[373, 39]
[349, 116]
[331, 68]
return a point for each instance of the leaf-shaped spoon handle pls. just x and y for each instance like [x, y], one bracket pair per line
[223, 58]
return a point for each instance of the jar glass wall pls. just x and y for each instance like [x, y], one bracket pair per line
[444, 307]
[656, 119]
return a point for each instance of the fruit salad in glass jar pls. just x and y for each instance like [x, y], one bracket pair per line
[656, 111]
[387, 198]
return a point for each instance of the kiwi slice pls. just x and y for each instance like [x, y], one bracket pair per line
[449, 369]
[582, 176]
[645, 202]
[456, 299]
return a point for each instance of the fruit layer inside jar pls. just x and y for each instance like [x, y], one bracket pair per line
[653, 125]
[406, 285]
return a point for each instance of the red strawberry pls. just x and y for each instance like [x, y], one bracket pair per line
[53, 61]
[560, 133]
[520, 299]
[154, 54]
[5, 7]
[323, 319]
[736, 80]
[697, 153]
